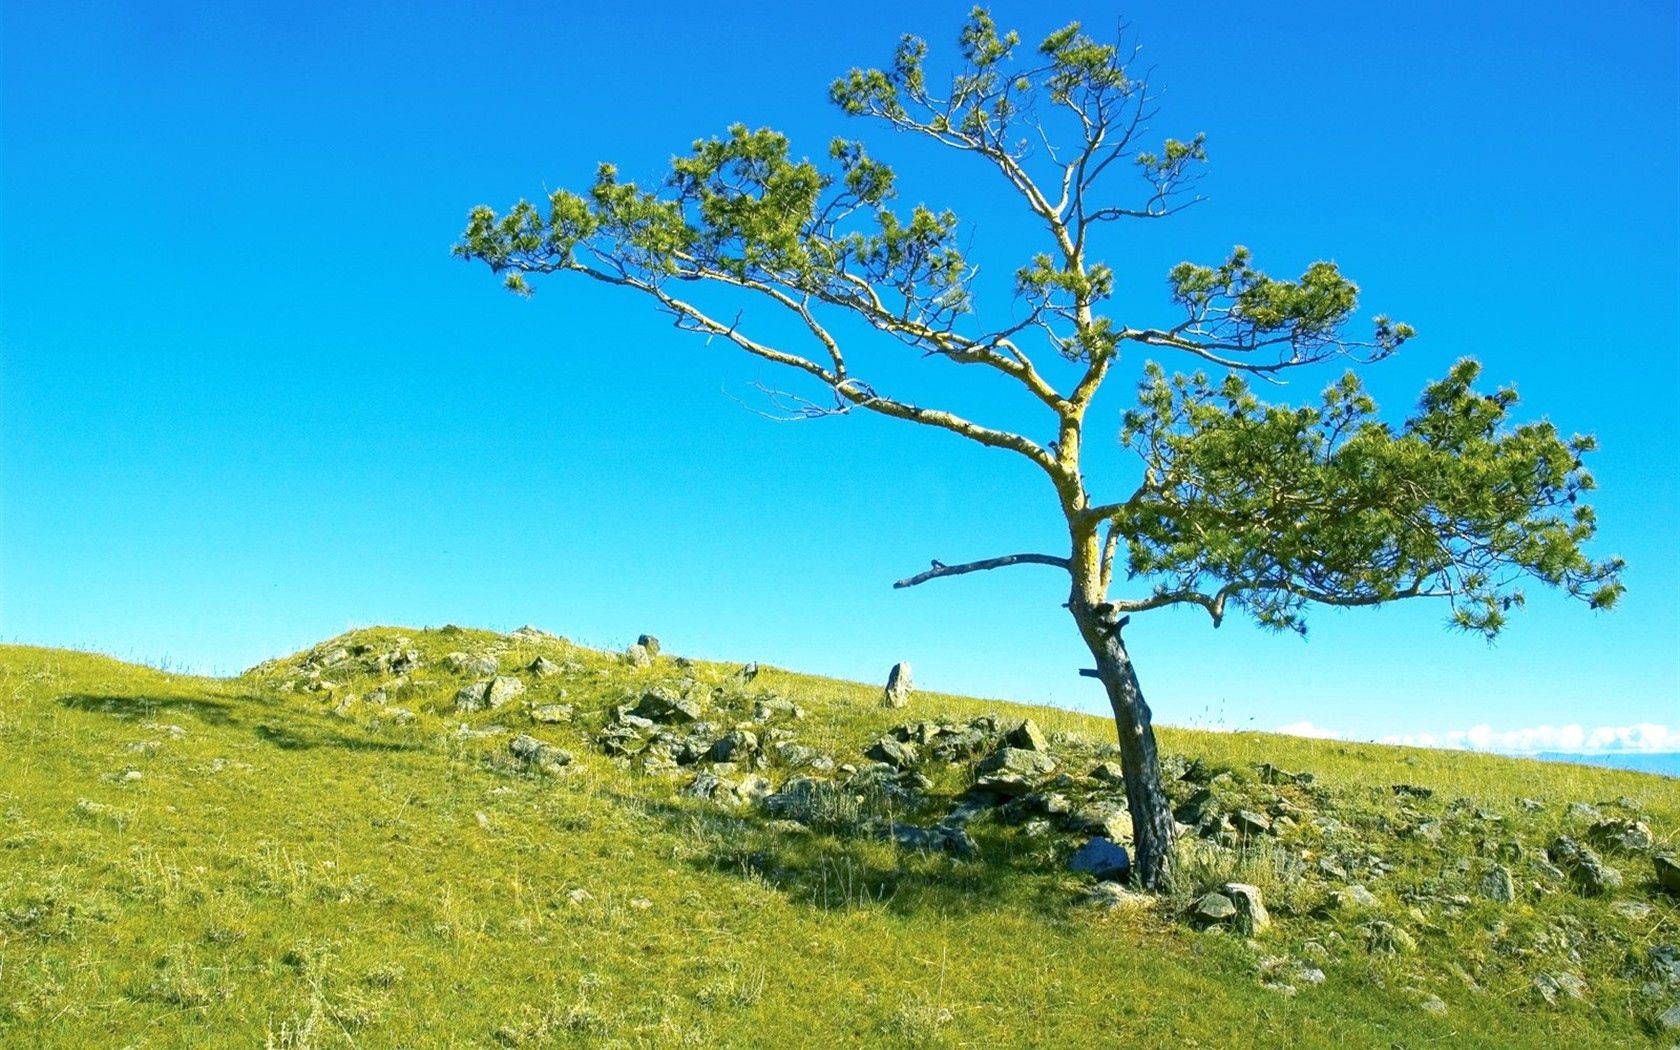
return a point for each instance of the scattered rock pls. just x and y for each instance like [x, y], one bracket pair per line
[1355, 898]
[1582, 811]
[898, 688]
[1108, 819]
[1252, 917]
[938, 839]
[1108, 773]
[1498, 885]
[1013, 771]
[1668, 873]
[1433, 1005]
[1111, 896]
[1213, 909]
[502, 688]
[1550, 985]
[1102, 859]
[1028, 737]
[1669, 1019]
[1591, 875]
[1384, 938]
[638, 656]
[534, 752]
[543, 667]
[1628, 836]
[662, 705]
[463, 663]
[735, 746]
[529, 633]
[1251, 823]
[1633, 911]
[895, 753]
[471, 697]
[552, 714]
[650, 643]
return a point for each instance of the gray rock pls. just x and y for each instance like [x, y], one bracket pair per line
[1252, 917]
[534, 752]
[465, 663]
[1590, 874]
[471, 697]
[1584, 812]
[501, 689]
[1102, 859]
[552, 714]
[1108, 773]
[1111, 896]
[1013, 771]
[1433, 1004]
[1668, 873]
[1356, 898]
[543, 667]
[650, 643]
[747, 672]
[899, 687]
[754, 788]
[1384, 938]
[1251, 823]
[1550, 985]
[709, 786]
[1498, 885]
[940, 838]
[1628, 836]
[1632, 911]
[1028, 737]
[1108, 819]
[1669, 1019]
[400, 661]
[895, 753]
[638, 656]
[1212, 909]
[738, 745]
[662, 705]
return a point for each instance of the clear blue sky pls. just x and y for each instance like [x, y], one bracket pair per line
[249, 400]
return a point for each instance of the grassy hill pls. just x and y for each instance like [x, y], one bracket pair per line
[352, 847]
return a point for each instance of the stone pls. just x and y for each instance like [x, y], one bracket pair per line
[1028, 737]
[737, 745]
[1108, 773]
[400, 661]
[1355, 897]
[1584, 812]
[501, 689]
[1252, 917]
[638, 656]
[1384, 938]
[1591, 875]
[754, 788]
[1108, 819]
[1530, 805]
[1111, 896]
[1669, 1019]
[1025, 766]
[1497, 885]
[1212, 909]
[650, 643]
[1550, 985]
[662, 705]
[530, 750]
[464, 663]
[543, 667]
[895, 753]
[747, 672]
[552, 714]
[1102, 859]
[938, 839]
[528, 633]
[1433, 1005]
[471, 697]
[1668, 873]
[1628, 836]
[898, 688]
[1632, 911]
[708, 786]
[1251, 823]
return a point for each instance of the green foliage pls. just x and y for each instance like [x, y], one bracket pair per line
[1272, 506]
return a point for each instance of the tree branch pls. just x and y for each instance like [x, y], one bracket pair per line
[941, 569]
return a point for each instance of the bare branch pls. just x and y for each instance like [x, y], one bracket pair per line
[941, 569]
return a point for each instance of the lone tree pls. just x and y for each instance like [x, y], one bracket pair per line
[1237, 504]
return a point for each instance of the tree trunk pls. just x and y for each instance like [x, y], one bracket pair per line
[1146, 798]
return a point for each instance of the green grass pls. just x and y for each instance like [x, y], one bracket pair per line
[297, 868]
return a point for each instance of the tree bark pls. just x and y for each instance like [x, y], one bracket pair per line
[1146, 797]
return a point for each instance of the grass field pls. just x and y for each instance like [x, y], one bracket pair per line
[324, 852]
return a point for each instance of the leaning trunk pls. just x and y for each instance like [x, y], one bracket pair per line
[1152, 821]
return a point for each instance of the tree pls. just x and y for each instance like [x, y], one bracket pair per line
[1238, 504]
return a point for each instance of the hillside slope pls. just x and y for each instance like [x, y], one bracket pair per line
[459, 838]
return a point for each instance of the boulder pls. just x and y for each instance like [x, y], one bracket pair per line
[1028, 737]
[1108, 773]
[500, 689]
[552, 714]
[1013, 771]
[1498, 885]
[1355, 898]
[737, 745]
[465, 663]
[938, 839]
[1249, 822]
[1668, 873]
[662, 705]
[1108, 819]
[638, 656]
[534, 752]
[895, 753]
[1628, 836]
[1252, 917]
[650, 643]
[1213, 909]
[471, 697]
[1102, 859]
[543, 667]
[1589, 872]
[898, 688]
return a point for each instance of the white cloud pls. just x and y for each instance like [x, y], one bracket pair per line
[1639, 738]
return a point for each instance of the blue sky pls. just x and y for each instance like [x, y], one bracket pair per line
[249, 400]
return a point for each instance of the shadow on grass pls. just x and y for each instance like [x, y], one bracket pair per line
[209, 711]
[842, 870]
[298, 735]
[296, 738]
